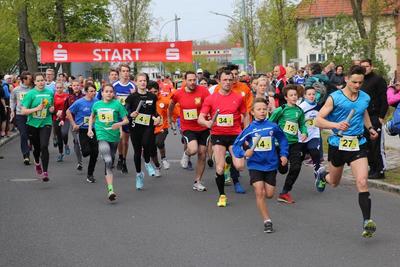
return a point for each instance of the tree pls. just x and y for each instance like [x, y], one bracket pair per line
[8, 32]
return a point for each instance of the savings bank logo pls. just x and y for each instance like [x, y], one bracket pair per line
[60, 54]
[172, 53]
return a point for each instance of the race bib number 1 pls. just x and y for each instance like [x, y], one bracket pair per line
[264, 144]
[291, 127]
[225, 120]
[349, 143]
[190, 114]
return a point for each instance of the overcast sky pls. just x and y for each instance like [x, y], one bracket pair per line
[196, 23]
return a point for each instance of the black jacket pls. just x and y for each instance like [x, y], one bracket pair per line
[375, 86]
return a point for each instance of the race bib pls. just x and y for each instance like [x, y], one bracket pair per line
[264, 144]
[21, 96]
[143, 119]
[86, 120]
[190, 114]
[310, 123]
[349, 143]
[291, 127]
[106, 116]
[225, 120]
[122, 99]
[40, 114]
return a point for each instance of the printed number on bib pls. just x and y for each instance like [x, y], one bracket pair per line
[86, 120]
[21, 96]
[122, 99]
[265, 143]
[106, 116]
[143, 119]
[190, 114]
[291, 127]
[40, 114]
[225, 120]
[349, 143]
[310, 123]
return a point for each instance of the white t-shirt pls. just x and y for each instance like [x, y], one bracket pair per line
[310, 115]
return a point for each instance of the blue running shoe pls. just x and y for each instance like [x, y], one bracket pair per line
[320, 182]
[67, 150]
[139, 180]
[239, 189]
[60, 158]
[150, 169]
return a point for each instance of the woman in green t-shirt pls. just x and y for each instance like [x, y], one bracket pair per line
[105, 115]
[38, 106]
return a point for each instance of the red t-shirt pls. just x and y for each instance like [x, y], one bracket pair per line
[59, 101]
[190, 105]
[231, 107]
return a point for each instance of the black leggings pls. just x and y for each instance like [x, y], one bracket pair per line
[89, 147]
[296, 157]
[142, 139]
[61, 135]
[39, 138]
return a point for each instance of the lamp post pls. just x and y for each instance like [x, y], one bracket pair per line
[176, 32]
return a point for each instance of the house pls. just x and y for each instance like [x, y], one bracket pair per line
[221, 53]
[316, 11]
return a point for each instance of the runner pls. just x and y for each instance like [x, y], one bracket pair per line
[123, 88]
[263, 160]
[141, 107]
[60, 127]
[78, 114]
[290, 119]
[232, 111]
[112, 78]
[161, 130]
[105, 116]
[38, 105]
[16, 99]
[190, 99]
[347, 144]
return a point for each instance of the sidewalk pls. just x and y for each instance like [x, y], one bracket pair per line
[5, 140]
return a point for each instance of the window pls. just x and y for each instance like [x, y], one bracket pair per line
[313, 58]
[321, 57]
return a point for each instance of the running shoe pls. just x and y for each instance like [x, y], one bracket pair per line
[111, 195]
[369, 228]
[150, 169]
[124, 168]
[90, 179]
[55, 142]
[38, 168]
[60, 158]
[320, 182]
[79, 167]
[190, 166]
[268, 227]
[228, 181]
[157, 172]
[119, 164]
[67, 150]
[210, 163]
[199, 187]
[27, 161]
[45, 177]
[184, 161]
[139, 180]
[239, 189]
[285, 198]
[222, 201]
[165, 164]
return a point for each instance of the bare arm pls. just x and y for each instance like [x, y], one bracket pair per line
[171, 110]
[203, 121]
[323, 123]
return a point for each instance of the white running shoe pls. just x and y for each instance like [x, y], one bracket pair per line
[150, 169]
[184, 160]
[157, 172]
[199, 187]
[165, 164]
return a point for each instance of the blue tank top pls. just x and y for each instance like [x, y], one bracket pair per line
[342, 106]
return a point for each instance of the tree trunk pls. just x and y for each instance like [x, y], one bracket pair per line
[66, 67]
[356, 5]
[23, 29]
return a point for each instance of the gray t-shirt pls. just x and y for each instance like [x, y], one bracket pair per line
[16, 98]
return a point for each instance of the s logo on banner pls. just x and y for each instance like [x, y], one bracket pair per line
[172, 53]
[60, 54]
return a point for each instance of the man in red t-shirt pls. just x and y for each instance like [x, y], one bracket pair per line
[190, 99]
[226, 127]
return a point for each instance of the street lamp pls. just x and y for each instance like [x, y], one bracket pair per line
[176, 32]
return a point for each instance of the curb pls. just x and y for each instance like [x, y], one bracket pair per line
[5, 140]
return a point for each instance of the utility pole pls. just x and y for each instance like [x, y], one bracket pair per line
[245, 41]
[176, 28]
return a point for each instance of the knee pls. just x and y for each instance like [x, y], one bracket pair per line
[219, 169]
[362, 183]
[191, 150]
[260, 194]
[239, 164]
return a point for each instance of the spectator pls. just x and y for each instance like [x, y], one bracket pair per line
[279, 82]
[393, 94]
[337, 78]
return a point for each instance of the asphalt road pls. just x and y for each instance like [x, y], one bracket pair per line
[68, 222]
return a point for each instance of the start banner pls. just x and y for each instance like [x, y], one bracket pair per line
[180, 51]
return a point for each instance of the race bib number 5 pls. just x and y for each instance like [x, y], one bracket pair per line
[349, 143]
[291, 128]
[143, 119]
[264, 144]
[106, 116]
[225, 120]
[190, 114]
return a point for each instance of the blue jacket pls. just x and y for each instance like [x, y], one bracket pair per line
[265, 157]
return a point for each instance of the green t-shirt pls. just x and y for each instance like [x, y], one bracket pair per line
[290, 119]
[106, 114]
[33, 99]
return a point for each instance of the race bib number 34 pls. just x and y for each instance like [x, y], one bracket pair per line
[225, 120]
[291, 127]
[349, 143]
[264, 144]
[190, 114]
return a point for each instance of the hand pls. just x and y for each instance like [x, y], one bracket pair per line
[59, 113]
[382, 121]
[342, 126]
[248, 153]
[303, 137]
[373, 134]
[156, 120]
[115, 126]
[75, 127]
[61, 123]
[134, 114]
[51, 109]
[12, 115]
[284, 160]
[209, 124]
[90, 133]
[40, 107]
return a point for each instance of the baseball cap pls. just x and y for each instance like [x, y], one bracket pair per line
[199, 71]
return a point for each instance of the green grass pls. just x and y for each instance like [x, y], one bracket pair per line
[324, 136]
[392, 176]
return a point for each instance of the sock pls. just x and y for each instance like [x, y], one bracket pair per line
[110, 188]
[120, 157]
[365, 204]
[234, 174]
[220, 180]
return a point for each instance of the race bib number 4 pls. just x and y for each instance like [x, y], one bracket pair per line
[190, 114]
[143, 119]
[349, 143]
[106, 116]
[225, 120]
[40, 114]
[291, 128]
[264, 144]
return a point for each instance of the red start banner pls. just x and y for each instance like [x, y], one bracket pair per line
[52, 52]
